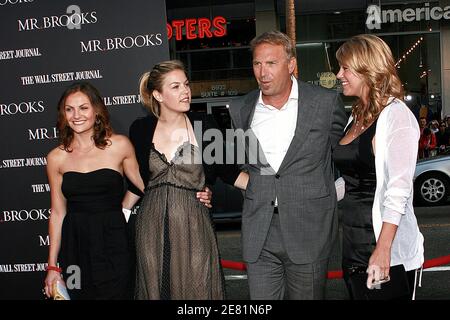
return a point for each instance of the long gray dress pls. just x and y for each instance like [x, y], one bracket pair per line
[177, 252]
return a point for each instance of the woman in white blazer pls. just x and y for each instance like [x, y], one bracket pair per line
[377, 158]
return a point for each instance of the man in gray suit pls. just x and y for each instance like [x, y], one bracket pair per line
[289, 219]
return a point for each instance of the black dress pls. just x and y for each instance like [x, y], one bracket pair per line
[94, 235]
[356, 163]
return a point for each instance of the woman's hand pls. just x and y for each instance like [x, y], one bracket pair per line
[379, 264]
[205, 197]
[380, 260]
[52, 277]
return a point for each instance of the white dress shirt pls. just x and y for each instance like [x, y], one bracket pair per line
[275, 128]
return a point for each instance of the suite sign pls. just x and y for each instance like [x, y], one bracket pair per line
[376, 16]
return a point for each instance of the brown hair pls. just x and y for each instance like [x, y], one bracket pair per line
[371, 58]
[102, 126]
[275, 37]
[153, 80]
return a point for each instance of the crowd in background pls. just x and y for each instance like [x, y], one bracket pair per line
[434, 137]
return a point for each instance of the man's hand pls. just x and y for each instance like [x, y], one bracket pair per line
[205, 197]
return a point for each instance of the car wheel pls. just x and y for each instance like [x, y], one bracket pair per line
[432, 189]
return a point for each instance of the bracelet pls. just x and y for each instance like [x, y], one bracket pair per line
[53, 268]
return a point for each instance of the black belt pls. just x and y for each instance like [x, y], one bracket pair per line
[275, 210]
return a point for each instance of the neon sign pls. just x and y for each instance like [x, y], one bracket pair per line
[197, 28]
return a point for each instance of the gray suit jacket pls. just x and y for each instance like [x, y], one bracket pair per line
[304, 183]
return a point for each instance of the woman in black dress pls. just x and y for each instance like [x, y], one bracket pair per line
[87, 228]
[377, 158]
[177, 251]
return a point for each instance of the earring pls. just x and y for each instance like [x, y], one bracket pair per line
[97, 120]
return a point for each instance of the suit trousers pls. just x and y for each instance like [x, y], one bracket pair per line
[275, 277]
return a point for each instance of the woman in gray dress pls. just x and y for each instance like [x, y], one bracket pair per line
[176, 246]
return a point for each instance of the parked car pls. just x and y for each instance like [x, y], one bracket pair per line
[432, 180]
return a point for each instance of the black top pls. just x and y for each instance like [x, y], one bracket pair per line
[141, 135]
[356, 163]
[442, 138]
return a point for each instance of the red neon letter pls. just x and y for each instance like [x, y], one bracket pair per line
[169, 31]
[178, 25]
[219, 23]
[204, 24]
[190, 29]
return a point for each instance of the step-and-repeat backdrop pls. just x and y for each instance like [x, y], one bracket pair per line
[45, 46]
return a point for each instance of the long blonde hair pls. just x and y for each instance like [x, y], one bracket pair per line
[371, 58]
[153, 80]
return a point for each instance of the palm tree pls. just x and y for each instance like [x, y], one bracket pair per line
[290, 25]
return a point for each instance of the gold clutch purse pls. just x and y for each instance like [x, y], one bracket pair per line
[60, 291]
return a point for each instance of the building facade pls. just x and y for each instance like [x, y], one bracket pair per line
[219, 63]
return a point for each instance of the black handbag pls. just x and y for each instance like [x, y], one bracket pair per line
[396, 288]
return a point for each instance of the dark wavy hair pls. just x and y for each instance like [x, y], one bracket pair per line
[102, 126]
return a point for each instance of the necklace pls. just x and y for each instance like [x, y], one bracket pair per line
[359, 127]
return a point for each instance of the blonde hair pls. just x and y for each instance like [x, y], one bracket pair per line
[153, 80]
[371, 58]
